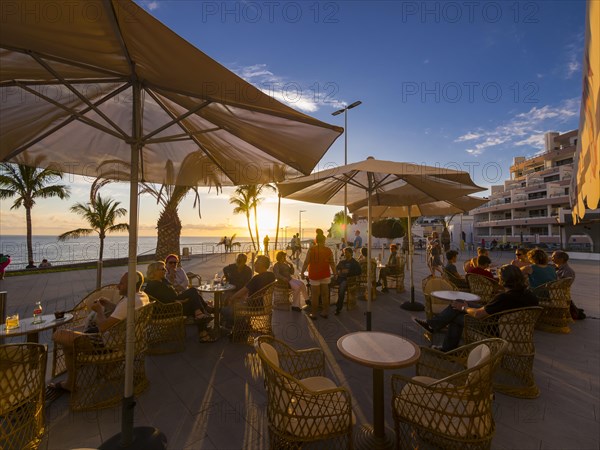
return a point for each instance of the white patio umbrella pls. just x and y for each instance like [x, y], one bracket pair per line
[366, 179]
[102, 81]
[390, 204]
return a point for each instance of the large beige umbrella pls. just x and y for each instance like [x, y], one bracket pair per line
[367, 179]
[391, 204]
[89, 82]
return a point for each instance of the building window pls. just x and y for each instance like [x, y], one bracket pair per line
[538, 213]
[562, 162]
[536, 195]
[552, 178]
[508, 231]
[542, 231]
[566, 191]
[507, 200]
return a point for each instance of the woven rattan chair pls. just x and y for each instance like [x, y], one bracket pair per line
[166, 330]
[362, 280]
[432, 283]
[397, 278]
[282, 296]
[99, 369]
[555, 299]
[351, 292]
[194, 276]
[482, 286]
[459, 284]
[252, 317]
[22, 395]
[449, 403]
[514, 376]
[303, 407]
[80, 313]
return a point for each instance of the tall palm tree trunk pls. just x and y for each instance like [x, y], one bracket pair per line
[256, 227]
[250, 230]
[29, 234]
[169, 231]
[278, 217]
[100, 262]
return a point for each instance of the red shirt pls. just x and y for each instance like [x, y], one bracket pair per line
[480, 271]
[318, 262]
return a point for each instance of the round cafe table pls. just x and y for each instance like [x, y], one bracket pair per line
[26, 327]
[217, 290]
[379, 351]
[455, 295]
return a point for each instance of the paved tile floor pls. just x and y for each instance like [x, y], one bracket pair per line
[211, 396]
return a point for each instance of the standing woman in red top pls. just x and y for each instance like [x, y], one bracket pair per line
[320, 264]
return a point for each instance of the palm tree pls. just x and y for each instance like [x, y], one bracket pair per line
[337, 227]
[257, 190]
[243, 201]
[196, 169]
[101, 215]
[28, 183]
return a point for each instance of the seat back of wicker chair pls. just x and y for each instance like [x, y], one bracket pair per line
[22, 395]
[295, 413]
[449, 402]
[99, 363]
[80, 313]
[166, 330]
[482, 286]
[555, 299]
[459, 284]
[253, 317]
[432, 305]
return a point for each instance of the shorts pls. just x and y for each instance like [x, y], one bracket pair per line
[321, 281]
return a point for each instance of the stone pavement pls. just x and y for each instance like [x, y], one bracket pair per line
[211, 396]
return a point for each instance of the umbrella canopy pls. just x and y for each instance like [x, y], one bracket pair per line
[390, 205]
[70, 83]
[98, 82]
[367, 179]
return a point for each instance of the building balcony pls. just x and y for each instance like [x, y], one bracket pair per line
[554, 199]
[522, 221]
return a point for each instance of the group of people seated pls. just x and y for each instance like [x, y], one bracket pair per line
[517, 280]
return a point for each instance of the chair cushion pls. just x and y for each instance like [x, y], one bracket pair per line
[270, 353]
[479, 355]
[318, 383]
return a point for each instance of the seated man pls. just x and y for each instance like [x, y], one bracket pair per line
[102, 319]
[452, 271]
[563, 270]
[472, 263]
[159, 288]
[262, 279]
[516, 296]
[483, 263]
[238, 273]
[347, 267]
[392, 267]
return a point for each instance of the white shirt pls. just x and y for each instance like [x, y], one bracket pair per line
[120, 312]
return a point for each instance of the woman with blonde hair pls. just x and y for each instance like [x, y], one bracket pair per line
[539, 271]
[175, 273]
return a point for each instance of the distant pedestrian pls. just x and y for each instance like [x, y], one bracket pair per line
[4, 262]
[266, 244]
[357, 241]
[44, 264]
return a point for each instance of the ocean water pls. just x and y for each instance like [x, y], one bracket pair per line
[87, 248]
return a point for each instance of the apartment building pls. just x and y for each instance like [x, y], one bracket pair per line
[528, 207]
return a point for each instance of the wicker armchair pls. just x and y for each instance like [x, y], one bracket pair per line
[282, 296]
[22, 395]
[485, 287]
[166, 330]
[80, 313]
[303, 407]
[555, 299]
[99, 369]
[397, 278]
[432, 305]
[458, 283]
[351, 292]
[449, 403]
[362, 280]
[514, 376]
[252, 317]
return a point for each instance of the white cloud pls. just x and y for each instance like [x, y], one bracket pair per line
[306, 97]
[426, 61]
[572, 68]
[150, 5]
[524, 129]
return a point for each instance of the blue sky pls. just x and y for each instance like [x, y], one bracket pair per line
[465, 85]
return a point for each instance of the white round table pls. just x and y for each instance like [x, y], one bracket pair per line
[455, 296]
[379, 351]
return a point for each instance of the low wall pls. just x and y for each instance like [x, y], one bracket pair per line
[581, 256]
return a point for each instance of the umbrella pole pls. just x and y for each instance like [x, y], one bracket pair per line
[369, 281]
[411, 305]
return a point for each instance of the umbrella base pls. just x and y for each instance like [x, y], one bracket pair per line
[144, 438]
[412, 306]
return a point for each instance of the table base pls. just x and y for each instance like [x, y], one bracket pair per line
[365, 439]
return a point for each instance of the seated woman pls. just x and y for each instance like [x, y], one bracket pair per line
[452, 271]
[160, 288]
[539, 271]
[283, 271]
[520, 258]
[175, 273]
[516, 296]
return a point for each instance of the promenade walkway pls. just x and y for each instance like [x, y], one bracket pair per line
[211, 396]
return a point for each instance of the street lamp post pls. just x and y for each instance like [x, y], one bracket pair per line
[300, 224]
[345, 111]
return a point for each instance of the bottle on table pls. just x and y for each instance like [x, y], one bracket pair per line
[37, 313]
